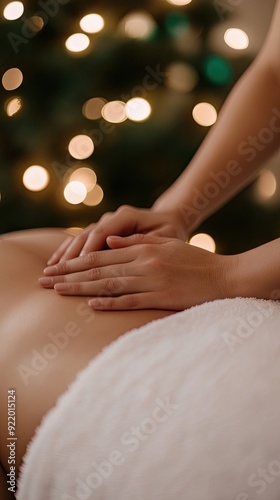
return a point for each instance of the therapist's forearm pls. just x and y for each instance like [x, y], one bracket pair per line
[246, 134]
[256, 273]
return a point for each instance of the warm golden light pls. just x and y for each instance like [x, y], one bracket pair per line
[236, 39]
[12, 106]
[13, 10]
[204, 241]
[138, 109]
[179, 2]
[35, 24]
[94, 197]
[12, 79]
[77, 42]
[204, 114]
[92, 23]
[35, 178]
[86, 176]
[81, 147]
[114, 112]
[266, 185]
[75, 192]
[92, 108]
[181, 77]
[74, 231]
[138, 24]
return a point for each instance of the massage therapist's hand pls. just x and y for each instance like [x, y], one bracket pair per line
[144, 272]
[125, 221]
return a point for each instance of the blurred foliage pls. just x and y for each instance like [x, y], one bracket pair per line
[134, 162]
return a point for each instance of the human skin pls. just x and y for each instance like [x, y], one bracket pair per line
[30, 318]
[246, 134]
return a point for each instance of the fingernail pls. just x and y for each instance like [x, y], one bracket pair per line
[50, 271]
[95, 303]
[45, 281]
[61, 287]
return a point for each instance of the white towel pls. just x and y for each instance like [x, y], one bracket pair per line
[184, 408]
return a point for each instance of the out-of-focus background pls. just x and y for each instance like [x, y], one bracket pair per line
[105, 103]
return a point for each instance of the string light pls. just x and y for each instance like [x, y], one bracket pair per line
[181, 77]
[92, 108]
[12, 106]
[86, 176]
[205, 241]
[35, 178]
[114, 112]
[13, 10]
[77, 42]
[217, 69]
[75, 192]
[138, 109]
[204, 114]
[236, 39]
[12, 79]
[138, 24]
[92, 23]
[81, 147]
[266, 185]
[179, 2]
[94, 197]
[35, 24]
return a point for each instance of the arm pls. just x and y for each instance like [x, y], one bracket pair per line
[237, 146]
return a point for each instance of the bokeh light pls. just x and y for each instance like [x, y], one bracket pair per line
[85, 175]
[236, 39]
[81, 147]
[12, 79]
[138, 24]
[35, 178]
[12, 106]
[179, 2]
[181, 77]
[93, 107]
[75, 192]
[266, 185]
[13, 10]
[92, 23]
[114, 112]
[34, 24]
[138, 109]
[94, 197]
[204, 114]
[203, 240]
[217, 70]
[77, 42]
[177, 24]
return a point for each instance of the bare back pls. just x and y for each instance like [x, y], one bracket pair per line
[45, 339]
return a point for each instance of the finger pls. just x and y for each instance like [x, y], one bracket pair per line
[89, 261]
[135, 239]
[134, 301]
[60, 251]
[94, 274]
[122, 222]
[77, 244]
[102, 288]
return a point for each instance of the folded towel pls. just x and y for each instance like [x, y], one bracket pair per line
[186, 408]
